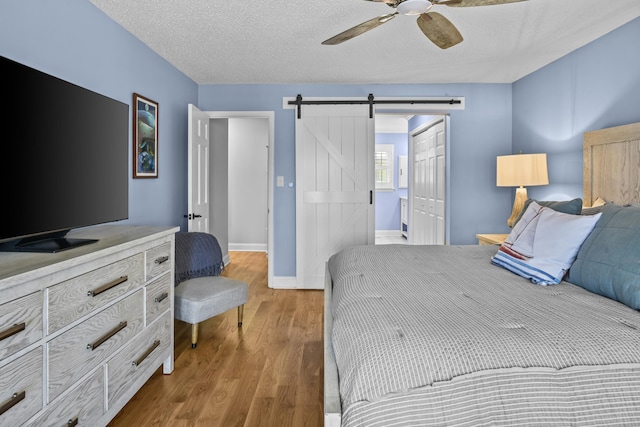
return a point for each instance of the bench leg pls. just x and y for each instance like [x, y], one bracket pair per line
[240, 314]
[194, 335]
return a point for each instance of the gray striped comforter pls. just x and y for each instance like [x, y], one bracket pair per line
[437, 335]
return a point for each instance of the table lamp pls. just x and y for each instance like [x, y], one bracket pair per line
[520, 170]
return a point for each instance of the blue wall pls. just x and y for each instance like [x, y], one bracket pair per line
[478, 134]
[594, 87]
[75, 41]
[388, 202]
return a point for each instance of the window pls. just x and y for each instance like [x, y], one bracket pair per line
[384, 167]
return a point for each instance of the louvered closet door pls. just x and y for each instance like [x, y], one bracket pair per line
[335, 186]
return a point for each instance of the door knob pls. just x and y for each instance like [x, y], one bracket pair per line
[193, 216]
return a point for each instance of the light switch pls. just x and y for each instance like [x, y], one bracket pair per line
[280, 181]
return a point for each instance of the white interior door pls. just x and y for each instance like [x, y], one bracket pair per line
[335, 186]
[436, 161]
[419, 190]
[198, 170]
[427, 222]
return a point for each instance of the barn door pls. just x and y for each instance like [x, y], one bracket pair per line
[335, 186]
[198, 170]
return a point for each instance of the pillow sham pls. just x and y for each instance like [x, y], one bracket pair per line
[573, 207]
[608, 262]
[545, 245]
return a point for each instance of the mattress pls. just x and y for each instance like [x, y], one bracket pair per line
[437, 335]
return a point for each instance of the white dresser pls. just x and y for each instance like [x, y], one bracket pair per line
[82, 330]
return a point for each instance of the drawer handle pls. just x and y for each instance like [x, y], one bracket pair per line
[161, 297]
[109, 334]
[15, 399]
[72, 422]
[108, 286]
[162, 260]
[146, 354]
[18, 327]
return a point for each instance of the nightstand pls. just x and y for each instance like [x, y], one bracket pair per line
[491, 239]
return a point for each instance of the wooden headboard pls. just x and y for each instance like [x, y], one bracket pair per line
[612, 165]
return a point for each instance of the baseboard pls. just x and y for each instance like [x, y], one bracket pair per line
[248, 247]
[284, 282]
[388, 233]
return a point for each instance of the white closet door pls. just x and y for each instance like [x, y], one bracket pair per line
[436, 195]
[335, 186]
[419, 207]
[427, 224]
[437, 188]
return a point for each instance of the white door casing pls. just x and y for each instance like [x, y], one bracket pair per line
[198, 170]
[335, 186]
[199, 122]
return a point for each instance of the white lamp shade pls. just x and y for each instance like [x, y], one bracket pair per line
[522, 170]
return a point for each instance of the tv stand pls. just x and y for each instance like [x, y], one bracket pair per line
[45, 243]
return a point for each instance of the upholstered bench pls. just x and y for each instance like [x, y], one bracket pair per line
[201, 298]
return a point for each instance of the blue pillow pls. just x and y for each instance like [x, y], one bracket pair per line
[573, 207]
[544, 244]
[608, 262]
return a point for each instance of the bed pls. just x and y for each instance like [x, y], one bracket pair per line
[440, 335]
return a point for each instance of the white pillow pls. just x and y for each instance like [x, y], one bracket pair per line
[544, 249]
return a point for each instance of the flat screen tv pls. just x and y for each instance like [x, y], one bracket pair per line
[63, 160]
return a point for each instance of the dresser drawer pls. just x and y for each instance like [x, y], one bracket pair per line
[84, 404]
[158, 260]
[21, 388]
[20, 323]
[158, 297]
[85, 346]
[70, 300]
[140, 358]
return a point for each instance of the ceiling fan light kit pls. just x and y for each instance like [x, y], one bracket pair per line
[413, 7]
[433, 25]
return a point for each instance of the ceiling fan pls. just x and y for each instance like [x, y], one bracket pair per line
[435, 26]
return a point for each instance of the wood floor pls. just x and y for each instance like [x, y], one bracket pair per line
[266, 373]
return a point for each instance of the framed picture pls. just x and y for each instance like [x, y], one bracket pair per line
[145, 137]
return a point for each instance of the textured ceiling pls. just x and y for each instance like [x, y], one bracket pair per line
[278, 41]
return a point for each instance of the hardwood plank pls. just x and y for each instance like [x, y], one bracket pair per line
[266, 373]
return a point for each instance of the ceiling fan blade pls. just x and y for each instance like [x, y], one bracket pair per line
[472, 3]
[359, 29]
[439, 30]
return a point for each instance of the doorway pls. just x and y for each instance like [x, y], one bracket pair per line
[414, 212]
[229, 127]
[248, 144]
